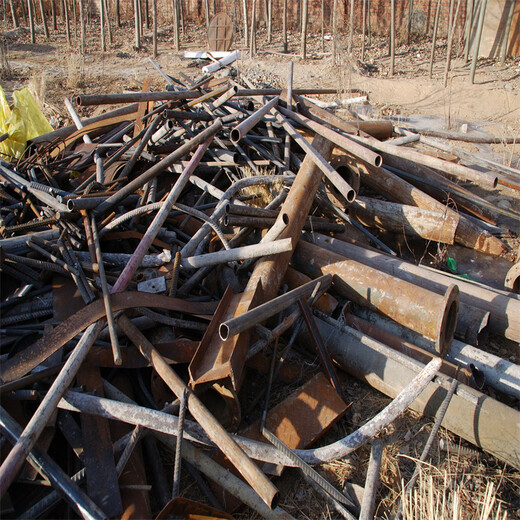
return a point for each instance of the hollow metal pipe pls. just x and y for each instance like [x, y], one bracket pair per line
[158, 168]
[134, 262]
[236, 254]
[419, 309]
[266, 310]
[243, 128]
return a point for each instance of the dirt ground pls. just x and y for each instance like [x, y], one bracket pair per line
[53, 70]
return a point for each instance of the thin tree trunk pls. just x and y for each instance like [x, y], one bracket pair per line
[147, 13]
[44, 20]
[252, 39]
[13, 14]
[74, 15]
[323, 25]
[392, 37]
[450, 43]
[434, 37]
[467, 32]
[410, 11]
[102, 22]
[82, 26]
[507, 29]
[31, 20]
[181, 16]
[246, 25]
[118, 15]
[109, 25]
[364, 29]
[53, 13]
[305, 12]
[24, 14]
[269, 21]
[136, 25]
[351, 29]
[176, 24]
[206, 10]
[476, 48]
[369, 24]
[334, 31]
[154, 16]
[65, 8]
[284, 28]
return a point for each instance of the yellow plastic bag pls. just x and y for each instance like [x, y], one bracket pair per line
[23, 122]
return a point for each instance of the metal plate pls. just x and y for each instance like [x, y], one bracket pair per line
[220, 32]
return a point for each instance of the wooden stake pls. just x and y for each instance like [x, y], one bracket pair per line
[434, 37]
[13, 14]
[392, 37]
[31, 20]
[305, 12]
[154, 16]
[476, 48]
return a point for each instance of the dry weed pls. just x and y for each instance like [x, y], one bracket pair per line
[75, 71]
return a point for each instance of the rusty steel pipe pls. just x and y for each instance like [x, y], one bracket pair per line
[182, 95]
[504, 310]
[427, 312]
[270, 308]
[346, 144]
[239, 132]
[158, 168]
[330, 173]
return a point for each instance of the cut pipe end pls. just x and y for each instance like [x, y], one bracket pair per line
[512, 281]
[448, 320]
[378, 161]
[235, 136]
[223, 332]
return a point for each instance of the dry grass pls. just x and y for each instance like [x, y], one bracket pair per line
[75, 71]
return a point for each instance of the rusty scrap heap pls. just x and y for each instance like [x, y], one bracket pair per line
[157, 258]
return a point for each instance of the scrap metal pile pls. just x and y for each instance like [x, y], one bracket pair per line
[157, 259]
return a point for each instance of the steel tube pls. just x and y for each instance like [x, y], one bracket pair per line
[158, 168]
[419, 309]
[332, 175]
[145, 243]
[346, 144]
[83, 505]
[274, 306]
[477, 418]
[369, 496]
[238, 253]
[132, 97]
[28, 438]
[238, 133]
[504, 310]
